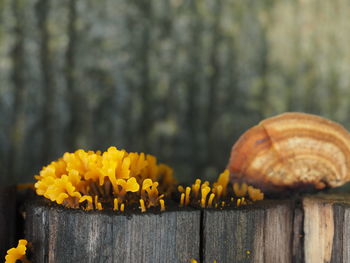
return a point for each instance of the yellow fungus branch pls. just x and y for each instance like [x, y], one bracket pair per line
[240, 190]
[115, 204]
[204, 193]
[187, 196]
[182, 199]
[17, 253]
[162, 205]
[211, 198]
[142, 205]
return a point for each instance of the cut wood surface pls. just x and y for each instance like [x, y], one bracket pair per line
[7, 219]
[315, 230]
[259, 233]
[64, 235]
[327, 228]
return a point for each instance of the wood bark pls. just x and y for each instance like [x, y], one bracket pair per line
[64, 235]
[7, 219]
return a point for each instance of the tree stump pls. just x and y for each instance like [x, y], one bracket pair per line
[327, 228]
[259, 233]
[62, 235]
[7, 219]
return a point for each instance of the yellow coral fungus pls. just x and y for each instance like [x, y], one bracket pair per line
[187, 195]
[211, 198]
[98, 205]
[115, 204]
[162, 205]
[241, 201]
[195, 188]
[123, 186]
[240, 190]
[87, 198]
[113, 177]
[255, 194]
[17, 253]
[205, 191]
[151, 191]
[218, 194]
[181, 189]
[182, 199]
[61, 190]
[142, 206]
[223, 181]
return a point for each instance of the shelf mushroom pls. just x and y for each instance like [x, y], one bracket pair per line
[292, 151]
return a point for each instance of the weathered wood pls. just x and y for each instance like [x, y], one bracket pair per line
[63, 235]
[7, 219]
[326, 228]
[259, 233]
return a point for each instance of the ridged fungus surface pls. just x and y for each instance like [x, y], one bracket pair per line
[292, 151]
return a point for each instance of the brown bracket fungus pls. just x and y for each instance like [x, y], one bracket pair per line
[292, 151]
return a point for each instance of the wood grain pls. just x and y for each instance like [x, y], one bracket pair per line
[313, 231]
[326, 228]
[260, 233]
[7, 219]
[61, 235]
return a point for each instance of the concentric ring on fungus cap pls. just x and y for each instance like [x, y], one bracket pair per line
[291, 151]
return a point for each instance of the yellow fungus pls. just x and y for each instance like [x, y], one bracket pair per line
[217, 189]
[198, 193]
[194, 261]
[240, 190]
[181, 189]
[206, 183]
[142, 205]
[187, 196]
[122, 207]
[115, 204]
[211, 198]
[255, 194]
[162, 205]
[111, 175]
[182, 199]
[195, 188]
[223, 180]
[205, 191]
[17, 253]
[87, 198]
[98, 205]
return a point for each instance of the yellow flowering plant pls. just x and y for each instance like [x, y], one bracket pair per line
[115, 179]
[221, 193]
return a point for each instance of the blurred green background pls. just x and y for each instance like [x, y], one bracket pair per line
[180, 79]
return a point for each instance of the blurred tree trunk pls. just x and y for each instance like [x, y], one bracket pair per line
[178, 79]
